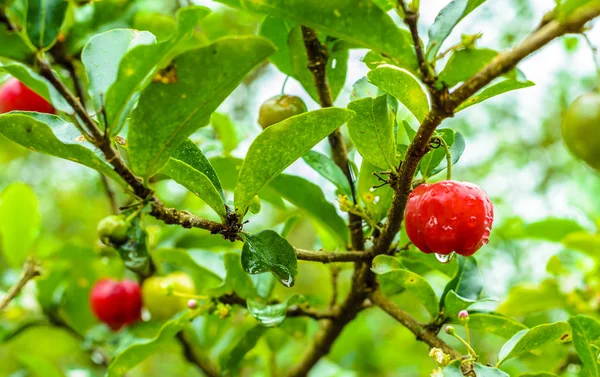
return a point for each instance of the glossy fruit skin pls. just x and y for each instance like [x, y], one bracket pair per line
[112, 230]
[116, 303]
[14, 95]
[156, 292]
[279, 108]
[580, 129]
[449, 216]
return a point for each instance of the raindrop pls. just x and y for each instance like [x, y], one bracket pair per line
[372, 189]
[472, 221]
[288, 282]
[376, 200]
[444, 258]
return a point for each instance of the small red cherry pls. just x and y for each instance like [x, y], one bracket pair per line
[116, 303]
[449, 216]
[14, 95]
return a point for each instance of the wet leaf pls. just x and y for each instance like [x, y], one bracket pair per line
[272, 315]
[134, 252]
[379, 200]
[268, 251]
[325, 166]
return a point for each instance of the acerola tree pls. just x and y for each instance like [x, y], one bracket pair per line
[251, 270]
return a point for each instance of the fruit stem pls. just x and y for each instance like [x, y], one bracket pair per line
[448, 159]
[284, 83]
[594, 50]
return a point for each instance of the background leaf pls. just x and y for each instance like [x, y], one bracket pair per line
[280, 145]
[586, 330]
[44, 19]
[329, 170]
[536, 337]
[102, 55]
[51, 135]
[19, 223]
[168, 113]
[445, 21]
[494, 90]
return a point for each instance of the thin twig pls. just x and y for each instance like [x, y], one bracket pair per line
[329, 257]
[335, 274]
[110, 195]
[31, 269]
[417, 328]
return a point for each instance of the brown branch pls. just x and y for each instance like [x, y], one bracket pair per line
[444, 105]
[202, 362]
[318, 57]
[335, 274]
[421, 332]
[31, 269]
[411, 20]
[329, 257]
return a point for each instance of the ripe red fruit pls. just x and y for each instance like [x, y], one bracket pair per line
[449, 216]
[116, 303]
[14, 95]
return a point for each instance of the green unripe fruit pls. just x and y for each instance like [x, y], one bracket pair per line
[113, 229]
[581, 129]
[279, 108]
[159, 294]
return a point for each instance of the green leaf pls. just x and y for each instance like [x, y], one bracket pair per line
[551, 229]
[536, 337]
[454, 303]
[372, 131]
[277, 31]
[44, 19]
[583, 241]
[38, 84]
[337, 64]
[134, 252]
[494, 90]
[140, 64]
[225, 131]
[141, 349]
[437, 156]
[526, 299]
[329, 170]
[386, 267]
[565, 8]
[585, 331]
[485, 371]
[376, 201]
[344, 19]
[272, 315]
[456, 150]
[236, 279]
[537, 374]
[268, 251]
[12, 44]
[19, 223]
[233, 356]
[468, 282]
[168, 113]
[102, 55]
[463, 64]
[51, 135]
[309, 197]
[189, 167]
[445, 21]
[404, 87]
[280, 145]
[492, 323]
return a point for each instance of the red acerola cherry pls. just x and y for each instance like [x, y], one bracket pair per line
[116, 303]
[449, 216]
[14, 95]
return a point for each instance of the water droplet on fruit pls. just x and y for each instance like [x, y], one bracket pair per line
[432, 222]
[472, 221]
[444, 258]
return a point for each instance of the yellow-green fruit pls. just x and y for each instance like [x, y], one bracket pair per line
[113, 229]
[581, 129]
[279, 108]
[158, 294]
